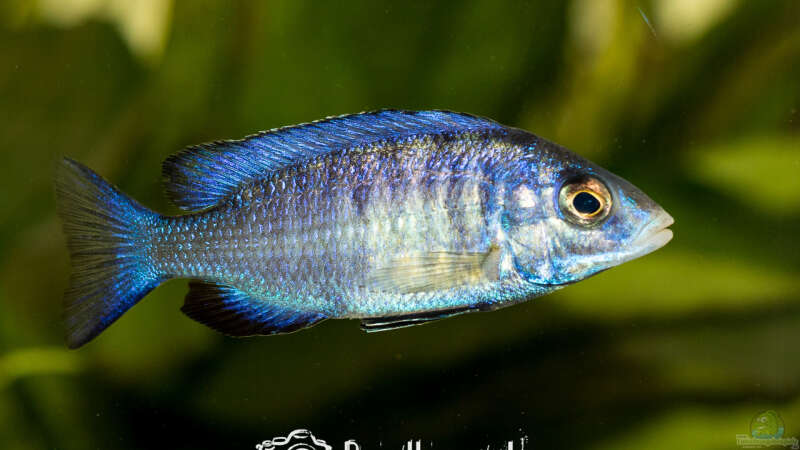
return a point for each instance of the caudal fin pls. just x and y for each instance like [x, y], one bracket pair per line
[105, 231]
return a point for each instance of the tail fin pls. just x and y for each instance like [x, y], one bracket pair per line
[104, 230]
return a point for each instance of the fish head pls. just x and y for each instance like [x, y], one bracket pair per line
[573, 219]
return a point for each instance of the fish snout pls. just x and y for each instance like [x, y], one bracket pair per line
[654, 235]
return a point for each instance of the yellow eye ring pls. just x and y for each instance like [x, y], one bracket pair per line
[585, 201]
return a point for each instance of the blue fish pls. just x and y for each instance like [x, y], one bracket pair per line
[395, 218]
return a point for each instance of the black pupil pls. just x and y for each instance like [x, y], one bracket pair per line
[586, 203]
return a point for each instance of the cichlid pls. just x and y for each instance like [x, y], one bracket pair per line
[392, 217]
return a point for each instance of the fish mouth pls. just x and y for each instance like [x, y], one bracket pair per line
[653, 236]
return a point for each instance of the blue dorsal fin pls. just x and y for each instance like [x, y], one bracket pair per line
[234, 313]
[201, 176]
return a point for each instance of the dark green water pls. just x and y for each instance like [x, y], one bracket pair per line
[680, 349]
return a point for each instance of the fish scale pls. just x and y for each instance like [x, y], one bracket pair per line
[404, 205]
[392, 217]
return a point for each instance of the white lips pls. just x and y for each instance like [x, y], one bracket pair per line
[654, 236]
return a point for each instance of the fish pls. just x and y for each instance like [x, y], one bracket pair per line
[394, 218]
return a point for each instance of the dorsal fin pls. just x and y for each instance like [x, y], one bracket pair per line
[201, 176]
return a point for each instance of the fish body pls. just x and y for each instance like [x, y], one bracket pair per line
[392, 217]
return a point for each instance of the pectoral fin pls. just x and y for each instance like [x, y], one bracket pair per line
[435, 271]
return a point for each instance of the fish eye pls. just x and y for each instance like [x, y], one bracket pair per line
[585, 201]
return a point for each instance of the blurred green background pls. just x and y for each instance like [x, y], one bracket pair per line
[680, 349]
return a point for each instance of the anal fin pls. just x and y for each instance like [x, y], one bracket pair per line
[234, 313]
